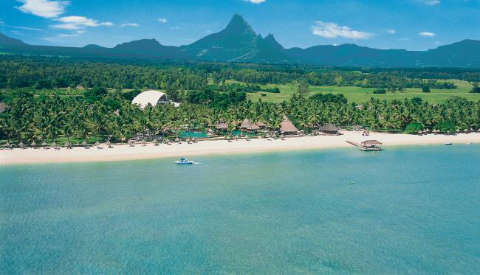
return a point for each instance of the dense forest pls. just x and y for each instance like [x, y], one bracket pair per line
[49, 73]
[33, 111]
[50, 118]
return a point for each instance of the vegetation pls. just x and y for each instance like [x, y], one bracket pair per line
[64, 100]
[414, 128]
[476, 89]
[48, 73]
[52, 118]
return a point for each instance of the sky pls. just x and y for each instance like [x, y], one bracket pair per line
[385, 24]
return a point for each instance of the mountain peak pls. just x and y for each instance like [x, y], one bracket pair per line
[272, 42]
[238, 25]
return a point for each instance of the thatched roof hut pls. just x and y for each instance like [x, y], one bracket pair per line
[221, 126]
[287, 127]
[3, 107]
[261, 124]
[329, 129]
[247, 125]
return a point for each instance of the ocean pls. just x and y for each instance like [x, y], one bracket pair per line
[404, 210]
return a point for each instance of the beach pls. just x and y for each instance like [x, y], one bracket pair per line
[124, 152]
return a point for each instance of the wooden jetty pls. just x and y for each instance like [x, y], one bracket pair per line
[368, 145]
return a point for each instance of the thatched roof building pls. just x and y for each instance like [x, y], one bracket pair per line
[3, 107]
[247, 125]
[261, 124]
[221, 126]
[329, 129]
[287, 127]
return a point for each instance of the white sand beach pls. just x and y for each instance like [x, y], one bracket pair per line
[221, 147]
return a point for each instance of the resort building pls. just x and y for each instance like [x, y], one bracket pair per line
[221, 126]
[329, 129]
[287, 127]
[248, 126]
[3, 107]
[151, 97]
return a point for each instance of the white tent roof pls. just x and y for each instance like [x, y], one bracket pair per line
[149, 97]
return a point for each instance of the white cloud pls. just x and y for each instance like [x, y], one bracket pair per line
[427, 34]
[58, 37]
[256, 1]
[130, 25]
[332, 30]
[27, 28]
[391, 31]
[431, 2]
[17, 32]
[162, 20]
[43, 8]
[78, 23]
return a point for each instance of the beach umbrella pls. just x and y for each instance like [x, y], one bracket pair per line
[21, 145]
[34, 144]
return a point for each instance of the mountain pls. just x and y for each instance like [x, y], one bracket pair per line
[7, 42]
[238, 42]
[146, 48]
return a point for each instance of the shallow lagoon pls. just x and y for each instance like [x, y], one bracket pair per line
[405, 210]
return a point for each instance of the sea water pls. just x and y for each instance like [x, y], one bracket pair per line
[405, 210]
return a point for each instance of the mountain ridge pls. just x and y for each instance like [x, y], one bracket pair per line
[238, 42]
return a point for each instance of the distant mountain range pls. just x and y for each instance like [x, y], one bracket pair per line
[238, 42]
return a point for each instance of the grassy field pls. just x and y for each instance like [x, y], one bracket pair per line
[359, 95]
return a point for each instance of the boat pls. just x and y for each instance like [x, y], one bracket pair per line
[184, 161]
[449, 144]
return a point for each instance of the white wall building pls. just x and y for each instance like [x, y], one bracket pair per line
[150, 97]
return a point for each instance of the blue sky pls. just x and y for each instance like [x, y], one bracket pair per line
[408, 24]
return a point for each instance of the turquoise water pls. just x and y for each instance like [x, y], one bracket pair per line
[193, 135]
[411, 210]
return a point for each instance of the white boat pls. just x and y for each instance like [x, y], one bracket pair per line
[448, 143]
[184, 161]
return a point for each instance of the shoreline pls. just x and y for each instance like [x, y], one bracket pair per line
[220, 147]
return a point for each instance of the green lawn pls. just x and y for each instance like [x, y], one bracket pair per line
[359, 95]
